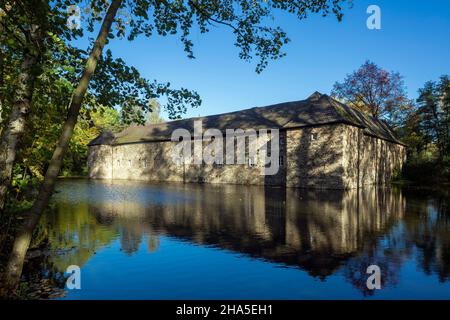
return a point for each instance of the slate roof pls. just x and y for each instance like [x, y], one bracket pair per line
[318, 109]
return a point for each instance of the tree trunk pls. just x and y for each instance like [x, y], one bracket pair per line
[15, 126]
[22, 241]
[2, 68]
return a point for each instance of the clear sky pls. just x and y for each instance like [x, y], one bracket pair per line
[414, 40]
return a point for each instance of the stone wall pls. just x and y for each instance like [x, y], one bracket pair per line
[368, 160]
[315, 157]
[330, 157]
[100, 162]
[153, 162]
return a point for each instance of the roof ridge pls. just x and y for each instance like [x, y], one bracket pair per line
[370, 119]
[221, 114]
[316, 96]
[318, 109]
[334, 104]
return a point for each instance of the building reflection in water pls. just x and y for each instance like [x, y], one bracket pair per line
[317, 231]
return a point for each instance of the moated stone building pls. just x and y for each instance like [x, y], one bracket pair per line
[323, 144]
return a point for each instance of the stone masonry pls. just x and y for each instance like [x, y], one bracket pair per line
[342, 150]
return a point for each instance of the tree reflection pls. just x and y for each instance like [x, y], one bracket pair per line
[427, 227]
[321, 232]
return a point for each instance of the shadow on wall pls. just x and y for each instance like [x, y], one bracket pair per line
[303, 163]
[315, 158]
[100, 162]
[331, 156]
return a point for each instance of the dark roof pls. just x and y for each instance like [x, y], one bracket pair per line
[105, 137]
[318, 109]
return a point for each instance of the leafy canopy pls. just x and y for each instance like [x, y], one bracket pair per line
[249, 20]
[433, 111]
[376, 91]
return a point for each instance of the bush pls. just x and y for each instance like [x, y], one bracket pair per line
[425, 168]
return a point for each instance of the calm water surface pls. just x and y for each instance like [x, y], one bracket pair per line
[173, 241]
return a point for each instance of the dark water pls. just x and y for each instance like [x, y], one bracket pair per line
[175, 241]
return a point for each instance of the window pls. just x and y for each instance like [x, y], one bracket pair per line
[145, 163]
[129, 163]
[314, 136]
[118, 163]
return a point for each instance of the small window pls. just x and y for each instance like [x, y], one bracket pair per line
[145, 163]
[129, 163]
[118, 163]
[314, 136]
[251, 161]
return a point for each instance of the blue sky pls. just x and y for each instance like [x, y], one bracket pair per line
[413, 40]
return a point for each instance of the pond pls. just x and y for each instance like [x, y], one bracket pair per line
[137, 240]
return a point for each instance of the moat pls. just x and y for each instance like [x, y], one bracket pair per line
[134, 240]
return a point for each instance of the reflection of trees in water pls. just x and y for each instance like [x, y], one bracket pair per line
[424, 232]
[428, 228]
[130, 241]
[317, 231]
[75, 234]
[128, 218]
[43, 267]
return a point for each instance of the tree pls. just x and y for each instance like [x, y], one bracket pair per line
[253, 38]
[132, 114]
[28, 29]
[434, 114]
[23, 238]
[110, 87]
[411, 134]
[154, 116]
[56, 58]
[29, 41]
[376, 91]
[426, 132]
